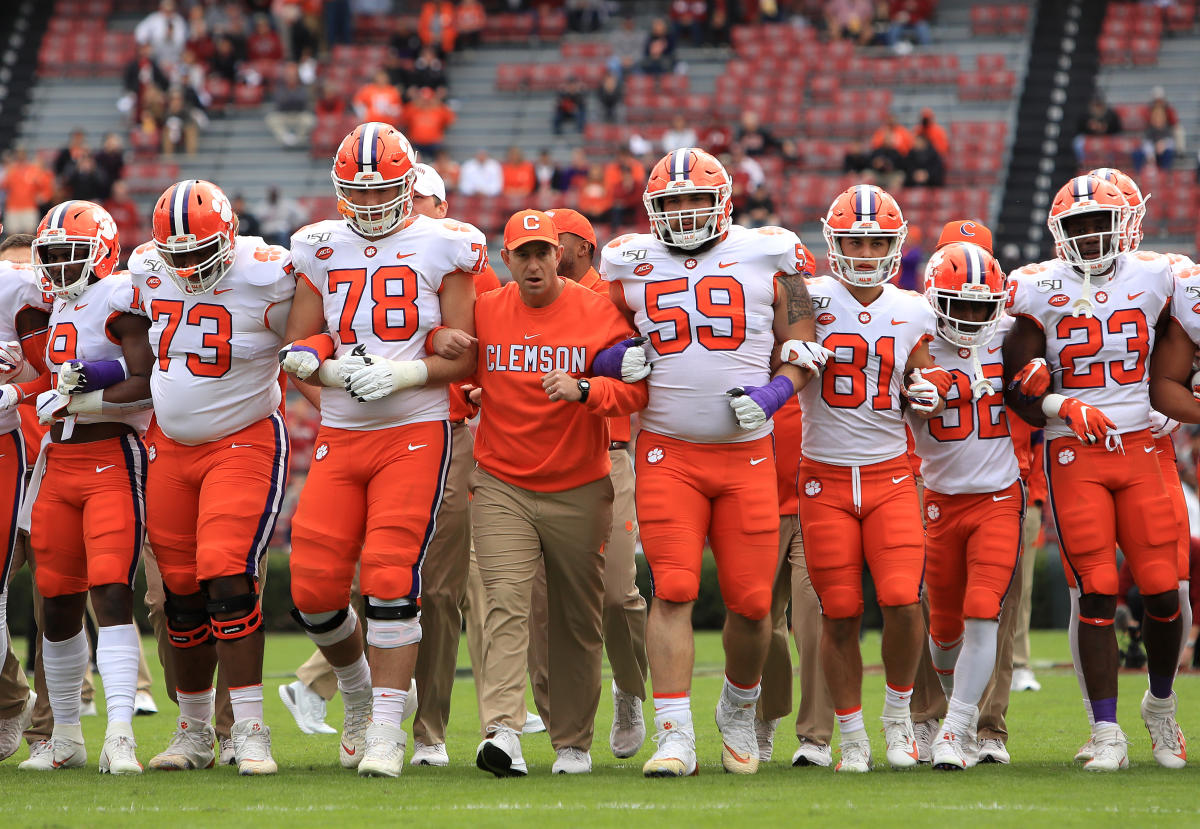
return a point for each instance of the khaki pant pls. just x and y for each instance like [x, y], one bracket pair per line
[1023, 599]
[515, 529]
[624, 605]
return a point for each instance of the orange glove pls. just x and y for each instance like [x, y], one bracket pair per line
[1033, 380]
[941, 379]
[1087, 422]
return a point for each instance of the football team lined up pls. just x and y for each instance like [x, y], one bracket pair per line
[163, 389]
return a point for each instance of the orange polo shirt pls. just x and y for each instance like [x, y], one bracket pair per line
[618, 427]
[787, 455]
[525, 438]
[460, 408]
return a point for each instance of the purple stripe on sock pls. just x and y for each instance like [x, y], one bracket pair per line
[1105, 710]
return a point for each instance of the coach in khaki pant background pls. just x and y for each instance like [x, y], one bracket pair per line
[541, 490]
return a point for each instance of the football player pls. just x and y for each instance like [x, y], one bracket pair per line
[380, 281]
[1086, 323]
[88, 519]
[217, 304]
[714, 300]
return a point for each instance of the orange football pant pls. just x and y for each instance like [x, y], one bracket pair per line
[1170, 472]
[1101, 499]
[972, 550]
[12, 490]
[372, 495]
[212, 508]
[726, 492]
[852, 514]
[89, 520]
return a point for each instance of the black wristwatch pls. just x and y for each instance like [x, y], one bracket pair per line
[584, 389]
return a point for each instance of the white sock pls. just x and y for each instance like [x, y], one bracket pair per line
[387, 705]
[65, 664]
[1073, 639]
[247, 702]
[117, 656]
[976, 662]
[960, 717]
[677, 709]
[354, 677]
[945, 656]
[850, 722]
[741, 697]
[1185, 613]
[196, 705]
[896, 701]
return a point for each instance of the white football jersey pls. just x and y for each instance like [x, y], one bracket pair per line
[709, 322]
[20, 288]
[384, 294]
[1102, 360]
[79, 331]
[1180, 263]
[852, 413]
[1185, 304]
[217, 367]
[967, 448]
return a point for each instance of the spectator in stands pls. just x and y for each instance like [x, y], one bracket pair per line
[428, 72]
[302, 26]
[1099, 119]
[759, 209]
[339, 22]
[200, 40]
[625, 161]
[626, 48]
[248, 223]
[658, 56]
[571, 105]
[181, 123]
[753, 137]
[436, 25]
[192, 76]
[1163, 133]
[148, 133]
[124, 210]
[69, 156]
[225, 61]
[879, 32]
[292, 119]
[85, 180]
[520, 177]
[481, 175]
[330, 102]
[426, 120]
[403, 48]
[263, 43]
[886, 163]
[448, 169]
[848, 19]
[469, 19]
[746, 171]
[718, 23]
[586, 15]
[901, 138]
[572, 175]
[923, 165]
[626, 198]
[910, 22]
[166, 33]
[856, 158]
[933, 132]
[688, 17]
[378, 100]
[30, 187]
[679, 134]
[111, 157]
[610, 92]
[139, 73]
[544, 169]
[595, 201]
[279, 217]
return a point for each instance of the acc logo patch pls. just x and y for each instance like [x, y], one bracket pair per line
[151, 452]
[826, 318]
[1101, 296]
[812, 487]
[370, 251]
[1196, 308]
[655, 455]
[324, 253]
[690, 263]
[1066, 457]
[322, 451]
[153, 282]
[933, 511]
[643, 269]
[1059, 300]
[864, 317]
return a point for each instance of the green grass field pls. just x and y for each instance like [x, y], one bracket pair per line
[1041, 788]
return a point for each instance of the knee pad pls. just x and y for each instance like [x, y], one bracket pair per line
[678, 587]
[186, 627]
[841, 603]
[981, 604]
[754, 605]
[394, 623]
[897, 592]
[246, 613]
[946, 630]
[326, 629]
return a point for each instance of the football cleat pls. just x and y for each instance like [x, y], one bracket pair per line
[993, 751]
[812, 754]
[572, 761]
[12, 728]
[64, 750]
[429, 755]
[764, 732]
[1086, 751]
[119, 755]
[354, 727]
[1111, 748]
[739, 745]
[675, 755]
[501, 754]
[191, 747]
[629, 726]
[227, 752]
[950, 752]
[307, 708]
[383, 751]
[1166, 737]
[856, 754]
[901, 742]
[252, 747]
[924, 733]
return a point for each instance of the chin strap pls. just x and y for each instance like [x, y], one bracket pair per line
[1083, 306]
[981, 385]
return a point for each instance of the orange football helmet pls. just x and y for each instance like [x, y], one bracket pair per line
[75, 241]
[958, 276]
[688, 170]
[1080, 196]
[1134, 198]
[374, 156]
[865, 210]
[194, 232]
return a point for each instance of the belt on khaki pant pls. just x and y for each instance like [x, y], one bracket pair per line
[618, 445]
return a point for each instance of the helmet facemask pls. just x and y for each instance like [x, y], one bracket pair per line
[1088, 250]
[885, 267]
[65, 263]
[378, 219]
[956, 325]
[197, 265]
[707, 223]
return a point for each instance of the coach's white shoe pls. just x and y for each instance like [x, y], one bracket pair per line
[1024, 680]
[11, 728]
[87, 708]
[629, 726]
[676, 752]
[383, 752]
[434, 755]
[951, 752]
[1111, 748]
[65, 750]
[901, 742]
[226, 752]
[307, 708]
[812, 754]
[856, 753]
[144, 704]
[739, 745]
[252, 747]
[501, 753]
[119, 755]
[191, 747]
[764, 732]
[1166, 737]
[994, 751]
[533, 724]
[924, 732]
[572, 761]
[354, 727]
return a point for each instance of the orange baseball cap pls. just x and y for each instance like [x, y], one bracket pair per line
[572, 221]
[966, 230]
[529, 226]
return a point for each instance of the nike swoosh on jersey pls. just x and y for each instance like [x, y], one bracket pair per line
[531, 336]
[405, 255]
[80, 308]
[899, 322]
[753, 461]
[994, 350]
[240, 445]
[415, 447]
[898, 480]
[103, 468]
[222, 290]
[1001, 497]
[1135, 296]
[726, 264]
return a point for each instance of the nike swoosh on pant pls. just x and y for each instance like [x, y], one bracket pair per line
[1001, 497]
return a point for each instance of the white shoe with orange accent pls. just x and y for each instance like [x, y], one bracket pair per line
[739, 743]
[1166, 737]
[856, 753]
[119, 755]
[951, 752]
[1111, 748]
[675, 755]
[354, 727]
[384, 752]
[252, 747]
[191, 747]
[901, 742]
[66, 751]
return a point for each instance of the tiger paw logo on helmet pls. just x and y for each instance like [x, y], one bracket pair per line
[933, 511]
[812, 488]
[1066, 456]
[322, 451]
[655, 455]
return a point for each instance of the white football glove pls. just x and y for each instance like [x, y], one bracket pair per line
[70, 377]
[1161, 425]
[633, 364]
[369, 377]
[301, 361]
[750, 415]
[10, 396]
[922, 394]
[12, 358]
[1196, 385]
[51, 406]
[806, 355]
